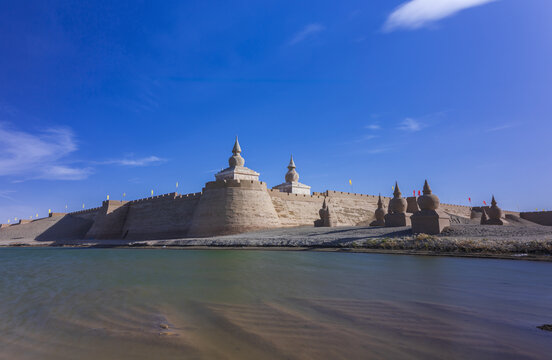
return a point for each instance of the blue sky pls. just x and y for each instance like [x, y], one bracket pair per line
[107, 97]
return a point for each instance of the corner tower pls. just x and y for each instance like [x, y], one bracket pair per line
[235, 202]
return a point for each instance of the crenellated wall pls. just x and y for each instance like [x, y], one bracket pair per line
[223, 207]
[109, 221]
[162, 217]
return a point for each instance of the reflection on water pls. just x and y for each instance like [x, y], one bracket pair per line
[170, 304]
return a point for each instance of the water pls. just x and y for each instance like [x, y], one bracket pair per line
[242, 304]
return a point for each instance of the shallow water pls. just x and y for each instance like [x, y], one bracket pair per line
[243, 304]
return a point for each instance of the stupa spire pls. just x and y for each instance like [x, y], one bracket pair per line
[427, 189]
[236, 159]
[291, 163]
[292, 176]
[397, 192]
[237, 149]
[493, 202]
[379, 214]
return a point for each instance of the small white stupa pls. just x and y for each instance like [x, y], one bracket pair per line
[237, 170]
[292, 184]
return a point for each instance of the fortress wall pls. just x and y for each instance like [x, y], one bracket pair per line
[459, 210]
[232, 207]
[166, 216]
[49, 229]
[349, 208]
[296, 209]
[504, 212]
[539, 217]
[353, 209]
[88, 214]
[109, 220]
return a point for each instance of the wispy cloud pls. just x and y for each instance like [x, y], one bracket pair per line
[39, 155]
[379, 150]
[500, 127]
[411, 125]
[130, 161]
[361, 139]
[373, 127]
[308, 31]
[5, 194]
[415, 14]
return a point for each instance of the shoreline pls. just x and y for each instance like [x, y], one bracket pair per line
[522, 242]
[352, 250]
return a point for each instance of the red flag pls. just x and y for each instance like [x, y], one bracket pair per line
[484, 202]
[469, 199]
[418, 192]
[414, 191]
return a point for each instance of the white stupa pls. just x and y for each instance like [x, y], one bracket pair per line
[237, 170]
[292, 184]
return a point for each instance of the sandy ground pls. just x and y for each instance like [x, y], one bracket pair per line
[519, 240]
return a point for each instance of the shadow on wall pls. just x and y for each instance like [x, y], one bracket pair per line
[68, 228]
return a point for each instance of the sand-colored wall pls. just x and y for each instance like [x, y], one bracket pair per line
[232, 207]
[539, 217]
[353, 209]
[52, 229]
[459, 210]
[348, 208]
[296, 209]
[167, 216]
[109, 220]
[224, 207]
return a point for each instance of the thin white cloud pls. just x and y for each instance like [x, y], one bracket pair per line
[410, 125]
[500, 127]
[373, 127]
[145, 161]
[379, 150]
[307, 32]
[361, 139]
[415, 14]
[4, 194]
[38, 155]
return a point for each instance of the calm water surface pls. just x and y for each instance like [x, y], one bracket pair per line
[233, 304]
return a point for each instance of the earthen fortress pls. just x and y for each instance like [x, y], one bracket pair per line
[237, 201]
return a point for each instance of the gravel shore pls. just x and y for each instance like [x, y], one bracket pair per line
[511, 241]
